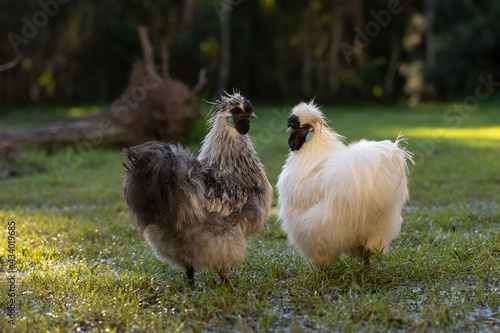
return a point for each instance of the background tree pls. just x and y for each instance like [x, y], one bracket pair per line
[85, 51]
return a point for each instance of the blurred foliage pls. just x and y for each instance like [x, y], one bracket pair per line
[82, 50]
[469, 44]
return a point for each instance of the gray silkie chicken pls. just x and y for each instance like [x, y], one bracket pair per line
[196, 212]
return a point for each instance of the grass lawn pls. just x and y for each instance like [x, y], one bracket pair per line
[81, 266]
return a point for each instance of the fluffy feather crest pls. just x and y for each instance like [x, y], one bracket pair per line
[309, 113]
[227, 102]
[325, 138]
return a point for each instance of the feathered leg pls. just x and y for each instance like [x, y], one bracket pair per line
[365, 255]
[225, 279]
[190, 275]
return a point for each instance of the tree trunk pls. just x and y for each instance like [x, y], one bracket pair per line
[392, 66]
[356, 10]
[225, 65]
[430, 43]
[307, 53]
[430, 40]
[187, 17]
[333, 64]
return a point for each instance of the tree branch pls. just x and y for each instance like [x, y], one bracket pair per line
[202, 81]
[147, 48]
[165, 57]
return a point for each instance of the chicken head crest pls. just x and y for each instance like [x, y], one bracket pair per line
[238, 110]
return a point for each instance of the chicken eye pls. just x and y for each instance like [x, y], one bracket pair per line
[309, 135]
[236, 110]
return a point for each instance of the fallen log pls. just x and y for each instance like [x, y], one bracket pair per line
[152, 107]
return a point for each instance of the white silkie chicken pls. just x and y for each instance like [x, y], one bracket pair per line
[336, 199]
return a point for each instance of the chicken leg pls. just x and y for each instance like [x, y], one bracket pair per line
[190, 275]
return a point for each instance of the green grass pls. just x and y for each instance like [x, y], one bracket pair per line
[83, 267]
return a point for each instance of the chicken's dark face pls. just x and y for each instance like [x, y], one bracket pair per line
[299, 134]
[240, 118]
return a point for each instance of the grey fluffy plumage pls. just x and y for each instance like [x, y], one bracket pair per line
[196, 213]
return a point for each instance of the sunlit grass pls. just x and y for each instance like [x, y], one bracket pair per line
[455, 133]
[476, 136]
[83, 267]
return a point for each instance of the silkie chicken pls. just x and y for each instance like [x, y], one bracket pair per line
[196, 213]
[336, 199]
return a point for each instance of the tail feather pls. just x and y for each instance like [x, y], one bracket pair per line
[158, 186]
[369, 177]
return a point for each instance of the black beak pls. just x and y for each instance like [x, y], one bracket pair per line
[297, 134]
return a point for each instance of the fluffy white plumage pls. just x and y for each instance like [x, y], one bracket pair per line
[336, 199]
